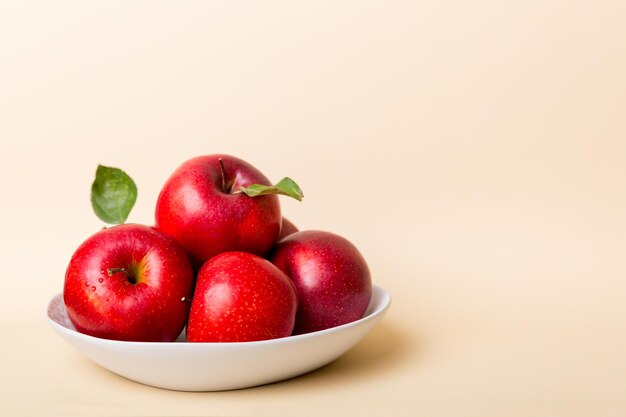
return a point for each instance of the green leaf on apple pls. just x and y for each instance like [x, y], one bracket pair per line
[286, 186]
[113, 195]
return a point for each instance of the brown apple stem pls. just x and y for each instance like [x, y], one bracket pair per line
[112, 271]
[223, 171]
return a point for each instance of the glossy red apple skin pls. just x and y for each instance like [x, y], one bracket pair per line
[241, 297]
[207, 218]
[113, 307]
[331, 277]
[288, 228]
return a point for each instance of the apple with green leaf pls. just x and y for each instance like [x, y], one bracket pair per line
[218, 203]
[127, 282]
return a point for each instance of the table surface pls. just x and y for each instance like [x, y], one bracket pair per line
[474, 151]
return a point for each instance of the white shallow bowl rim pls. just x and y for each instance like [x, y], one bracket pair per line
[378, 294]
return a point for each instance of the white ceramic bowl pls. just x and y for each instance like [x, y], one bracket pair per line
[219, 366]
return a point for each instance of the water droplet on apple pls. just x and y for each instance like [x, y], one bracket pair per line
[86, 284]
[93, 288]
[102, 271]
[100, 280]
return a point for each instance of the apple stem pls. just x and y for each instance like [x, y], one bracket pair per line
[112, 271]
[223, 171]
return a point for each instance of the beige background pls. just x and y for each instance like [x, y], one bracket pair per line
[473, 150]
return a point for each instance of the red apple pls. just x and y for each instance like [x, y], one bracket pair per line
[203, 207]
[331, 276]
[287, 229]
[241, 297]
[129, 282]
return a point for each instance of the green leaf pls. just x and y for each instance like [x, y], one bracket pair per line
[113, 195]
[286, 186]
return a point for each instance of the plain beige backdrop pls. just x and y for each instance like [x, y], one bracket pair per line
[475, 151]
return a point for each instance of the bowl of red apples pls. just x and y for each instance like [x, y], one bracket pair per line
[221, 293]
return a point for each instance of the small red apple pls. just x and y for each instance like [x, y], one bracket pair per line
[217, 203]
[331, 276]
[241, 297]
[129, 282]
[288, 228]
